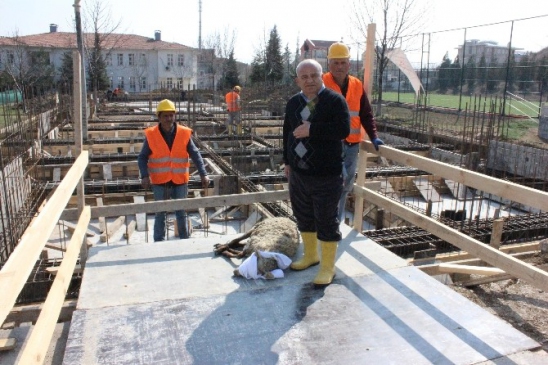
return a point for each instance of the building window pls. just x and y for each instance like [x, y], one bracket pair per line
[180, 60]
[180, 83]
[132, 82]
[143, 59]
[143, 83]
[108, 59]
[121, 82]
[131, 59]
[120, 59]
[170, 60]
[10, 57]
[169, 83]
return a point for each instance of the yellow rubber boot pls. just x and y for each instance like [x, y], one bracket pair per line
[240, 129]
[327, 264]
[229, 130]
[311, 256]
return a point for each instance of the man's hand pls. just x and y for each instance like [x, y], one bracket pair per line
[303, 130]
[145, 182]
[205, 182]
[377, 142]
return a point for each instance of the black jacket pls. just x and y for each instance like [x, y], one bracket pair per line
[321, 153]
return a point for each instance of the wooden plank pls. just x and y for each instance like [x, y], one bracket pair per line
[112, 228]
[187, 204]
[7, 344]
[493, 278]
[55, 269]
[502, 188]
[38, 343]
[468, 269]
[496, 234]
[17, 269]
[496, 258]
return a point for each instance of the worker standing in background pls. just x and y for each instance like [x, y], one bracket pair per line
[234, 108]
[164, 164]
[361, 114]
[316, 120]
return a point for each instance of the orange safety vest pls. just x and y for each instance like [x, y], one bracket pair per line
[165, 165]
[233, 101]
[353, 96]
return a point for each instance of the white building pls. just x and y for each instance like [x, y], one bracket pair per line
[134, 62]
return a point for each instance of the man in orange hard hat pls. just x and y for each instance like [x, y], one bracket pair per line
[361, 115]
[164, 165]
[234, 108]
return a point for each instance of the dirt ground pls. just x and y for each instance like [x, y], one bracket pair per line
[522, 305]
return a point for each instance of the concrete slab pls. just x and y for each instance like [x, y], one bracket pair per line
[175, 303]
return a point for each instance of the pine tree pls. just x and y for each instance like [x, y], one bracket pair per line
[231, 76]
[482, 73]
[525, 73]
[66, 72]
[455, 75]
[443, 74]
[257, 68]
[274, 59]
[470, 74]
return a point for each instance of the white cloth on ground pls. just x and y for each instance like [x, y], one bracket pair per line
[248, 268]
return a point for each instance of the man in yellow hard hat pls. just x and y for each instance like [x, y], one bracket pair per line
[233, 107]
[164, 165]
[361, 115]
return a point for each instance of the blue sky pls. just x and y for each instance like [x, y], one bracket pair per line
[296, 20]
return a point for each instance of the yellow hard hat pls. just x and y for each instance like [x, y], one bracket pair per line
[165, 106]
[338, 50]
[237, 88]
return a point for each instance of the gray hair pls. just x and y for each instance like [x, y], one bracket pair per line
[309, 62]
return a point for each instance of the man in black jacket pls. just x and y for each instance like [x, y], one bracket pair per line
[316, 122]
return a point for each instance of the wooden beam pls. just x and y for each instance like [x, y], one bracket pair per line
[71, 227]
[37, 345]
[468, 269]
[496, 233]
[112, 228]
[502, 188]
[7, 344]
[17, 269]
[187, 204]
[102, 221]
[496, 258]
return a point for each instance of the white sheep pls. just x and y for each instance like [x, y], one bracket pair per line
[278, 235]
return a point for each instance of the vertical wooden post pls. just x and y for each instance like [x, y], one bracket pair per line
[78, 138]
[496, 234]
[368, 60]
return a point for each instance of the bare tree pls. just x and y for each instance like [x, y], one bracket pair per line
[28, 68]
[98, 21]
[397, 22]
[222, 46]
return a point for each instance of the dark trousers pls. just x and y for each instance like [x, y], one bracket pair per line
[315, 200]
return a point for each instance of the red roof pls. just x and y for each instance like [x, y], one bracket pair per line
[111, 41]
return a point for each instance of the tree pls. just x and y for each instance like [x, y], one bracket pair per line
[470, 74]
[231, 76]
[525, 73]
[288, 66]
[399, 21]
[482, 73]
[274, 60]
[542, 74]
[222, 46]
[455, 75]
[28, 68]
[99, 19]
[66, 72]
[444, 74]
[258, 68]
[492, 76]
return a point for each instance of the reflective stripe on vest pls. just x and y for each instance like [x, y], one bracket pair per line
[353, 97]
[232, 103]
[165, 165]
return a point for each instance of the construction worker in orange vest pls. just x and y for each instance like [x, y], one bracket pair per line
[164, 165]
[361, 115]
[234, 108]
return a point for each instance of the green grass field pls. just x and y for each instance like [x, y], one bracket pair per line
[513, 106]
